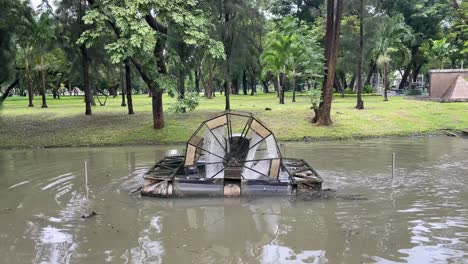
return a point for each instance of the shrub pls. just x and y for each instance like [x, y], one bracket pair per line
[367, 89]
[348, 91]
[189, 102]
[315, 97]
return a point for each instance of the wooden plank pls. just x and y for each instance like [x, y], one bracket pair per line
[190, 156]
[195, 140]
[275, 168]
[259, 129]
[217, 122]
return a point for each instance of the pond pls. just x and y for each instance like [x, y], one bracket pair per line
[419, 216]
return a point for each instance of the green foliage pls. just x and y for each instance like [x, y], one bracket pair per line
[461, 27]
[392, 41]
[439, 51]
[291, 49]
[189, 102]
[136, 39]
[348, 90]
[315, 97]
[15, 18]
[367, 89]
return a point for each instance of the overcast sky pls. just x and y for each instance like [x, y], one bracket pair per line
[35, 3]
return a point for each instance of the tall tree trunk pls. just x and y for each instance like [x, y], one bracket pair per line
[343, 78]
[156, 94]
[372, 68]
[331, 53]
[87, 90]
[128, 82]
[339, 87]
[359, 102]
[43, 82]
[197, 81]
[294, 85]
[158, 113]
[181, 87]
[404, 77]
[235, 86]
[244, 82]
[181, 84]
[207, 84]
[265, 86]
[123, 85]
[28, 80]
[416, 72]
[276, 84]
[386, 84]
[227, 41]
[158, 116]
[253, 84]
[85, 63]
[282, 87]
[226, 94]
[9, 88]
[352, 82]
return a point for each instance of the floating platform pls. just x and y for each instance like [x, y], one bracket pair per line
[232, 154]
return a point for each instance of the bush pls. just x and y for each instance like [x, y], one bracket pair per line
[189, 102]
[348, 91]
[367, 89]
[315, 97]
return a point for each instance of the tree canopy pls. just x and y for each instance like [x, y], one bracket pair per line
[234, 47]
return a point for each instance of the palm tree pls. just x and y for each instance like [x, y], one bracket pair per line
[275, 59]
[392, 40]
[42, 36]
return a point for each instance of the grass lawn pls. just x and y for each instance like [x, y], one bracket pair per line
[64, 122]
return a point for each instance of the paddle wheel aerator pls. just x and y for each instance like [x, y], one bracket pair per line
[231, 154]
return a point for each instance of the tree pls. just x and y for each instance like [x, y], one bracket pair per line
[424, 18]
[275, 59]
[392, 43]
[303, 10]
[291, 51]
[322, 115]
[439, 51]
[141, 37]
[43, 35]
[15, 18]
[360, 103]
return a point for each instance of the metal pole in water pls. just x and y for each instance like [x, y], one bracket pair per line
[86, 178]
[393, 165]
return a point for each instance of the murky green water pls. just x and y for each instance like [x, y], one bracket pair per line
[419, 217]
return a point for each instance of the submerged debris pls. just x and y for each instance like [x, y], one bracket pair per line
[89, 215]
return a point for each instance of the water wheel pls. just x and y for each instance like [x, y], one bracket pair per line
[233, 145]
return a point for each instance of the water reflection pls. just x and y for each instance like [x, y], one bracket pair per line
[221, 230]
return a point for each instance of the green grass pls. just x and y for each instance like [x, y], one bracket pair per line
[64, 122]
